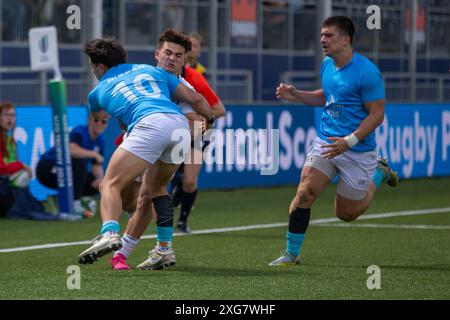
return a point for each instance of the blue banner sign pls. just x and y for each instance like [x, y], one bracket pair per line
[414, 138]
[295, 128]
[34, 135]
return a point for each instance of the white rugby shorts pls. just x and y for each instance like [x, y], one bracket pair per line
[160, 136]
[356, 169]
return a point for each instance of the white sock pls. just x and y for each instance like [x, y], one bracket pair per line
[128, 244]
[109, 233]
[168, 246]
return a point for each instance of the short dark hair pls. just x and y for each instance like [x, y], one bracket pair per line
[344, 24]
[108, 52]
[175, 36]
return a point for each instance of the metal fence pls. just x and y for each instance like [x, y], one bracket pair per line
[24, 86]
[430, 87]
[283, 24]
[235, 86]
[288, 29]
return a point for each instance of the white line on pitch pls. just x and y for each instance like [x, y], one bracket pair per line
[388, 226]
[241, 228]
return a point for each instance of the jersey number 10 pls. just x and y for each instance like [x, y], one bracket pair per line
[138, 83]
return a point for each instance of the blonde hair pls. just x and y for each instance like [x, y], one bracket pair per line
[197, 36]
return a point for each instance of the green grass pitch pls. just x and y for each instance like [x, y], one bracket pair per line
[414, 262]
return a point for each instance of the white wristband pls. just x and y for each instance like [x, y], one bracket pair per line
[352, 140]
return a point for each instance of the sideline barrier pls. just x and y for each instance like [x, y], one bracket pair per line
[415, 139]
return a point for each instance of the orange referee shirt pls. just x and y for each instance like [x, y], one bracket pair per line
[200, 85]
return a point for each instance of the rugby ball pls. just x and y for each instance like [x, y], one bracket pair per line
[20, 179]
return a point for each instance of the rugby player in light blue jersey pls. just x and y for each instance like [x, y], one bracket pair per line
[352, 97]
[171, 51]
[140, 97]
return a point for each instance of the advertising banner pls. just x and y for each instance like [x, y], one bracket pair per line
[266, 145]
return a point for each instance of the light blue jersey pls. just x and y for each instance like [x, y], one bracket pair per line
[130, 92]
[346, 90]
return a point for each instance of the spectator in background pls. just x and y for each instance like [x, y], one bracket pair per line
[195, 53]
[9, 164]
[87, 146]
[16, 200]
